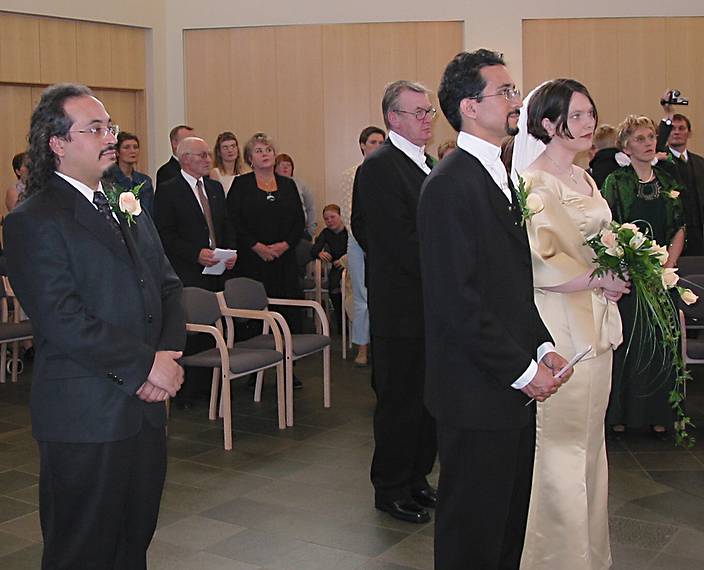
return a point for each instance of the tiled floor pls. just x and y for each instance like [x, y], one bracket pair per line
[300, 499]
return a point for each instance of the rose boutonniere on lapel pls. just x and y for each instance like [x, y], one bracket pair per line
[530, 204]
[125, 202]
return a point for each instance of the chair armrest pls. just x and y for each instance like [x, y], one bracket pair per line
[305, 303]
[269, 317]
[219, 340]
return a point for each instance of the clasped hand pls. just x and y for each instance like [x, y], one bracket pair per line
[544, 383]
[270, 252]
[613, 286]
[165, 377]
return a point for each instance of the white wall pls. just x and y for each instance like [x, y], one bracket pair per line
[495, 25]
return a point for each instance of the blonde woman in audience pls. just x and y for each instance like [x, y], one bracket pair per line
[446, 148]
[227, 160]
[568, 516]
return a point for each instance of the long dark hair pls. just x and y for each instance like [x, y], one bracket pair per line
[49, 120]
[222, 137]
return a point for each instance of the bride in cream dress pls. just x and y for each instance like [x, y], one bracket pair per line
[568, 516]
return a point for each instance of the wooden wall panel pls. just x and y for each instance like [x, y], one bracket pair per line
[57, 50]
[92, 53]
[19, 48]
[314, 88]
[128, 57]
[347, 51]
[252, 83]
[16, 108]
[208, 95]
[436, 42]
[301, 129]
[395, 57]
[626, 63]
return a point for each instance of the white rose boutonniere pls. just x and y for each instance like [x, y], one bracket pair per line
[125, 202]
[674, 194]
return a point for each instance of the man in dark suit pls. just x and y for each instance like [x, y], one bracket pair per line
[171, 167]
[387, 186]
[488, 351]
[105, 307]
[675, 130]
[191, 216]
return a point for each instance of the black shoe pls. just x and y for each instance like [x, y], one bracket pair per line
[405, 510]
[426, 497]
[297, 384]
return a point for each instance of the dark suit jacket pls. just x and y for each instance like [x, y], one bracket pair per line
[184, 231]
[384, 203]
[170, 169]
[482, 326]
[99, 311]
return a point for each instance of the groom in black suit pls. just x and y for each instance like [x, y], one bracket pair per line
[385, 198]
[105, 307]
[488, 351]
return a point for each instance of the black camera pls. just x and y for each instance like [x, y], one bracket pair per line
[674, 98]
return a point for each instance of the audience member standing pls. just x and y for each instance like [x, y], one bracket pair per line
[604, 161]
[283, 166]
[106, 314]
[171, 167]
[370, 139]
[676, 130]
[125, 174]
[387, 187]
[228, 162]
[15, 192]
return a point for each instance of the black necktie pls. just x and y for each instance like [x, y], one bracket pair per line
[101, 202]
[429, 161]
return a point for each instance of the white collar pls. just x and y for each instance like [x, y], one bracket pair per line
[677, 154]
[414, 152]
[485, 151]
[192, 180]
[87, 191]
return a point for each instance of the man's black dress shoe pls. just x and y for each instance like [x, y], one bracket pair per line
[405, 510]
[426, 497]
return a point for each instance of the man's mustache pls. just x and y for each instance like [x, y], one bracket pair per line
[107, 149]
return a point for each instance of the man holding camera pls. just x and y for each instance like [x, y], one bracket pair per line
[674, 132]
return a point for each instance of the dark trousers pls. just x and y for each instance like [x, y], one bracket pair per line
[404, 432]
[483, 495]
[99, 502]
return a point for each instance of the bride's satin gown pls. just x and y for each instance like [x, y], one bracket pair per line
[568, 525]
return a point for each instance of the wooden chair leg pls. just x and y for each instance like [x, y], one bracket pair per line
[326, 376]
[289, 391]
[214, 385]
[15, 361]
[258, 386]
[227, 413]
[281, 395]
[3, 362]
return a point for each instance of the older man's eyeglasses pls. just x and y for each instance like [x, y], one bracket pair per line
[420, 114]
[510, 93]
[100, 132]
[203, 155]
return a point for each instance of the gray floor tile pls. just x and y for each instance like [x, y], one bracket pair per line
[187, 473]
[629, 485]
[11, 509]
[630, 558]
[14, 480]
[197, 533]
[688, 543]
[183, 448]
[674, 507]
[255, 547]
[27, 495]
[27, 527]
[28, 558]
[381, 565]
[640, 534]
[208, 561]
[415, 551]
[10, 542]
[667, 461]
[686, 481]
[623, 460]
[671, 562]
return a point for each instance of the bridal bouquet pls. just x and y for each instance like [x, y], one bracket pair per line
[625, 250]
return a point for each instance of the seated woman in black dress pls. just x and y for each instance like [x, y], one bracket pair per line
[329, 247]
[646, 195]
[268, 217]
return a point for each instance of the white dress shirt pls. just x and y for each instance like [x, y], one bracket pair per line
[192, 183]
[86, 191]
[678, 154]
[414, 152]
[490, 157]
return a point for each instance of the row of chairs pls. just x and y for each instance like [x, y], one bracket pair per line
[12, 330]
[276, 347]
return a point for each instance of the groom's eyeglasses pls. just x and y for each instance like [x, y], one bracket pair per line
[510, 93]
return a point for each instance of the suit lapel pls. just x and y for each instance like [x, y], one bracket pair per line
[88, 217]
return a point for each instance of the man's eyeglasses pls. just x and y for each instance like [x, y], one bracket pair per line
[420, 114]
[510, 93]
[101, 132]
[205, 154]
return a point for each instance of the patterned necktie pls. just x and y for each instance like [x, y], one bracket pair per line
[206, 211]
[101, 202]
[683, 158]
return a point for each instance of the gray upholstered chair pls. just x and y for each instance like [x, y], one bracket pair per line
[692, 318]
[228, 360]
[246, 294]
[11, 332]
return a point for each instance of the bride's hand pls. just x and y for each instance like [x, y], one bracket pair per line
[614, 287]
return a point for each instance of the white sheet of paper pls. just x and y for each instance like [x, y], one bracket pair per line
[221, 255]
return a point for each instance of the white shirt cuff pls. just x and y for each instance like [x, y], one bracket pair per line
[527, 377]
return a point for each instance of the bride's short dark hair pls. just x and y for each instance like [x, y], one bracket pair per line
[552, 102]
[462, 80]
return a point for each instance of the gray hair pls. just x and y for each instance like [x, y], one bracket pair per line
[393, 91]
[185, 146]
